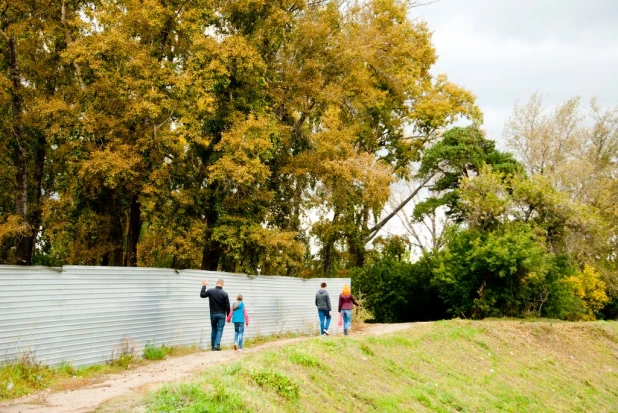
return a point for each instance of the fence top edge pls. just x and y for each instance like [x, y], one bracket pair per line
[220, 274]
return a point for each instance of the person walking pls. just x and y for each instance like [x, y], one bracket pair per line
[239, 317]
[322, 301]
[219, 309]
[346, 304]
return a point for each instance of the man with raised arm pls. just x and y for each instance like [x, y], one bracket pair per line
[219, 309]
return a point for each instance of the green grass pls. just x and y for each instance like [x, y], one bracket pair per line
[192, 398]
[152, 352]
[467, 366]
[26, 375]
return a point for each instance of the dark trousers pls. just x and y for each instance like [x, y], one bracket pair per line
[217, 322]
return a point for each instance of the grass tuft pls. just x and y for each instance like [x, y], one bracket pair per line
[277, 381]
[22, 375]
[152, 352]
[194, 398]
[304, 359]
[366, 349]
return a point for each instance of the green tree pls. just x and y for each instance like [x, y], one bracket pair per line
[514, 255]
[576, 152]
[461, 153]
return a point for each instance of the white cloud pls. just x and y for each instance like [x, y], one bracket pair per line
[504, 51]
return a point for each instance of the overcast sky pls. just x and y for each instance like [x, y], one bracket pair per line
[505, 50]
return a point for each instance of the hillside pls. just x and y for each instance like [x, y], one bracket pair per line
[448, 366]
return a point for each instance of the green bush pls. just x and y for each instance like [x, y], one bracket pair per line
[395, 291]
[505, 272]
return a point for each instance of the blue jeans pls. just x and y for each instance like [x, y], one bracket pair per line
[217, 322]
[324, 320]
[347, 319]
[239, 333]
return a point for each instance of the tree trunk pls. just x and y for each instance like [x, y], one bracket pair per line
[135, 226]
[212, 252]
[328, 257]
[357, 250]
[24, 241]
[211, 255]
[376, 228]
[36, 213]
[296, 203]
[228, 264]
[115, 232]
[329, 245]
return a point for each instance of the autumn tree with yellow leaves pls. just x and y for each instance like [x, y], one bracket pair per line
[204, 134]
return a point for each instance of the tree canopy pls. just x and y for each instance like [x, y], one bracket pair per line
[265, 137]
[204, 134]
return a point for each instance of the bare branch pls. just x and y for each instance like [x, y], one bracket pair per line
[373, 231]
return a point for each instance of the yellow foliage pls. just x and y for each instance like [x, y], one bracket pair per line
[12, 226]
[245, 150]
[484, 197]
[589, 287]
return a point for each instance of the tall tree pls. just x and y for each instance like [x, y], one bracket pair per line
[128, 58]
[577, 152]
[34, 82]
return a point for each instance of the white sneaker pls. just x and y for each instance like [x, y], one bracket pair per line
[239, 349]
[326, 332]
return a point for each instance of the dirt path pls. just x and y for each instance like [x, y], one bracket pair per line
[148, 378]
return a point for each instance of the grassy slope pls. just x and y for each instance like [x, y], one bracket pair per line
[446, 366]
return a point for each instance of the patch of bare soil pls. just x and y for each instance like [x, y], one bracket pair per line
[130, 385]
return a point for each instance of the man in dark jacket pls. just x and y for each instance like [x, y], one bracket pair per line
[219, 309]
[322, 301]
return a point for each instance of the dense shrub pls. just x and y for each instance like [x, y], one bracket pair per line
[397, 291]
[508, 271]
[494, 273]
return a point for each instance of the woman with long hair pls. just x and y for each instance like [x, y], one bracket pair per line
[346, 304]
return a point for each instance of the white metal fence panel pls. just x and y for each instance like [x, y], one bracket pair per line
[81, 314]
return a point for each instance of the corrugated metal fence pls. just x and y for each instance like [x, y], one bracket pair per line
[82, 315]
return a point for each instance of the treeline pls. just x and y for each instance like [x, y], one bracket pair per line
[202, 134]
[532, 238]
[265, 136]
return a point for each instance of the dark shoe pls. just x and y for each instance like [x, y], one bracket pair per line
[345, 331]
[217, 349]
[235, 346]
